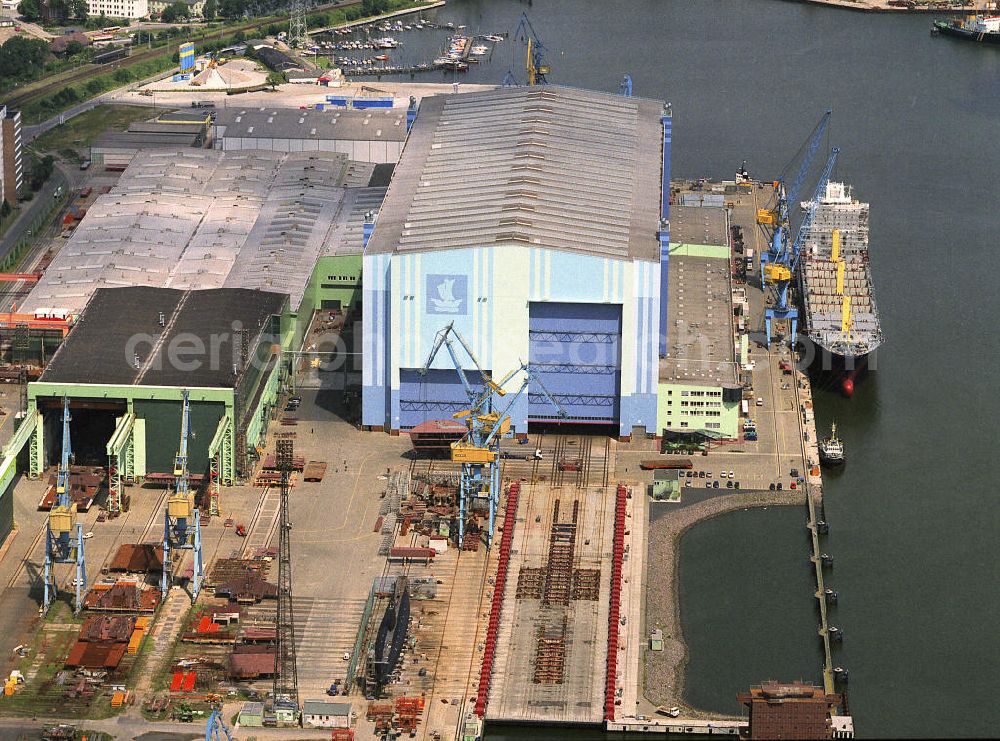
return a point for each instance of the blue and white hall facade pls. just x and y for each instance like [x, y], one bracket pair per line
[530, 220]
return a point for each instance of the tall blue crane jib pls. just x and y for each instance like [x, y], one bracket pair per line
[182, 520]
[779, 239]
[63, 534]
[782, 309]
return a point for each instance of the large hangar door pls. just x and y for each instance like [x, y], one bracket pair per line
[436, 395]
[576, 351]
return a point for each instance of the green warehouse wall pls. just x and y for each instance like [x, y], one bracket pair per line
[163, 431]
[7, 510]
[335, 282]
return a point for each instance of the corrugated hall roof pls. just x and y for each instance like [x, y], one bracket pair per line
[546, 166]
[119, 338]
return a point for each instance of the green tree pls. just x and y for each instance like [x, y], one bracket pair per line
[41, 171]
[30, 10]
[60, 10]
[5, 209]
[175, 12]
[210, 9]
[73, 48]
[276, 78]
[22, 58]
[79, 8]
[232, 9]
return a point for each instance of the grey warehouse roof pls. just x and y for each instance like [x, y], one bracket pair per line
[291, 123]
[197, 219]
[146, 139]
[321, 707]
[120, 323]
[546, 166]
[698, 225]
[700, 345]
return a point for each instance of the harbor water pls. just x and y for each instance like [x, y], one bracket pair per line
[913, 513]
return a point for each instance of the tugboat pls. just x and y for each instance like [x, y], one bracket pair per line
[984, 29]
[831, 449]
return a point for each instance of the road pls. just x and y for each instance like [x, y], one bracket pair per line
[37, 206]
[124, 727]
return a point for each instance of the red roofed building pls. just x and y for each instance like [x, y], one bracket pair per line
[247, 665]
[789, 710]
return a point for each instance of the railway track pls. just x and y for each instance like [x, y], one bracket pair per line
[27, 557]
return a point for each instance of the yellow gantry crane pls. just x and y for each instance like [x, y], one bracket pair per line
[534, 67]
[478, 451]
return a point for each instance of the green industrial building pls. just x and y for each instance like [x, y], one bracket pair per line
[125, 367]
[700, 384]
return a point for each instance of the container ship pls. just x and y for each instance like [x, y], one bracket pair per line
[984, 29]
[835, 283]
[392, 633]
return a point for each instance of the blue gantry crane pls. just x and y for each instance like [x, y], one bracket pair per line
[804, 227]
[783, 271]
[63, 534]
[182, 520]
[215, 727]
[776, 263]
[479, 449]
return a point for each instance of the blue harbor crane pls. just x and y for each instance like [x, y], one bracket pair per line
[215, 727]
[806, 224]
[775, 263]
[781, 271]
[479, 449]
[63, 534]
[534, 67]
[182, 520]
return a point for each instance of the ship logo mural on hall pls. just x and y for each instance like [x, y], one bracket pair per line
[447, 294]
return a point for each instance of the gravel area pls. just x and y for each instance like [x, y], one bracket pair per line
[663, 680]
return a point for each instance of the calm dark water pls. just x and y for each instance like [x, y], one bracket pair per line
[915, 513]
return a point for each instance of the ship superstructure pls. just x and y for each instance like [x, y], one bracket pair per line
[835, 278]
[981, 28]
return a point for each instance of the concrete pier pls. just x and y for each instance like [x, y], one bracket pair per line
[824, 629]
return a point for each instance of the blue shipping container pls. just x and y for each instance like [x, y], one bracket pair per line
[373, 103]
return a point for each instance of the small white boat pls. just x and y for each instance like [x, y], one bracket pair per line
[480, 51]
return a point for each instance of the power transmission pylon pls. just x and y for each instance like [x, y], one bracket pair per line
[297, 24]
[286, 682]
